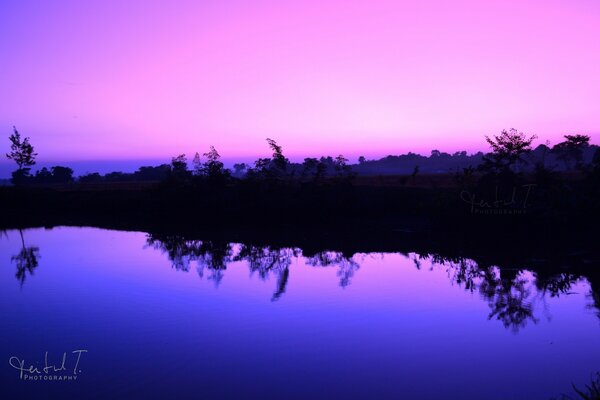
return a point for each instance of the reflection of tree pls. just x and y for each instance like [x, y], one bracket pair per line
[510, 293]
[466, 272]
[178, 249]
[556, 285]
[594, 296]
[282, 280]
[509, 300]
[508, 296]
[346, 265]
[267, 260]
[26, 260]
[213, 256]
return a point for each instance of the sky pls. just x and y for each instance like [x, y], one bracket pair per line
[144, 80]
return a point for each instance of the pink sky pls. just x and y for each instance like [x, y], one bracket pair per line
[140, 79]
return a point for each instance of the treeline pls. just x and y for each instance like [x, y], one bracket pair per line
[511, 154]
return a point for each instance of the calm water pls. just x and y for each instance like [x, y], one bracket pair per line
[160, 317]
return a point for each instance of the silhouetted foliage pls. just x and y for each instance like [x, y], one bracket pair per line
[239, 169]
[279, 160]
[508, 150]
[212, 169]
[62, 174]
[571, 150]
[43, 176]
[150, 174]
[179, 169]
[313, 169]
[270, 169]
[56, 174]
[343, 171]
[22, 153]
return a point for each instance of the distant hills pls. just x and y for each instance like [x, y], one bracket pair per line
[440, 162]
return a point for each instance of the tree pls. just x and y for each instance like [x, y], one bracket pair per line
[213, 167]
[22, 153]
[149, 173]
[342, 169]
[197, 163]
[279, 160]
[270, 168]
[508, 150]
[571, 150]
[179, 167]
[309, 166]
[315, 168]
[61, 174]
[43, 176]
[239, 168]
[362, 160]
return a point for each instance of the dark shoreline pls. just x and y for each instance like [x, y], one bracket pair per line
[342, 218]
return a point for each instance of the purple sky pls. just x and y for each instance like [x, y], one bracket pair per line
[147, 80]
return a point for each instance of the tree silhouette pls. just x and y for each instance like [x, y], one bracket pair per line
[342, 169]
[239, 168]
[62, 174]
[571, 150]
[213, 168]
[179, 168]
[22, 153]
[279, 159]
[43, 176]
[314, 168]
[508, 150]
[271, 169]
[197, 163]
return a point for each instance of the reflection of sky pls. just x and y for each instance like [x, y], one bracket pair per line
[393, 330]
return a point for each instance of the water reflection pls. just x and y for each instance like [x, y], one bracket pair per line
[26, 260]
[511, 293]
[347, 266]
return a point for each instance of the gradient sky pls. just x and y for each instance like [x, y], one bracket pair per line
[151, 79]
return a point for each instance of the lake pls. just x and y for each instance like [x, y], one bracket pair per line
[145, 316]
